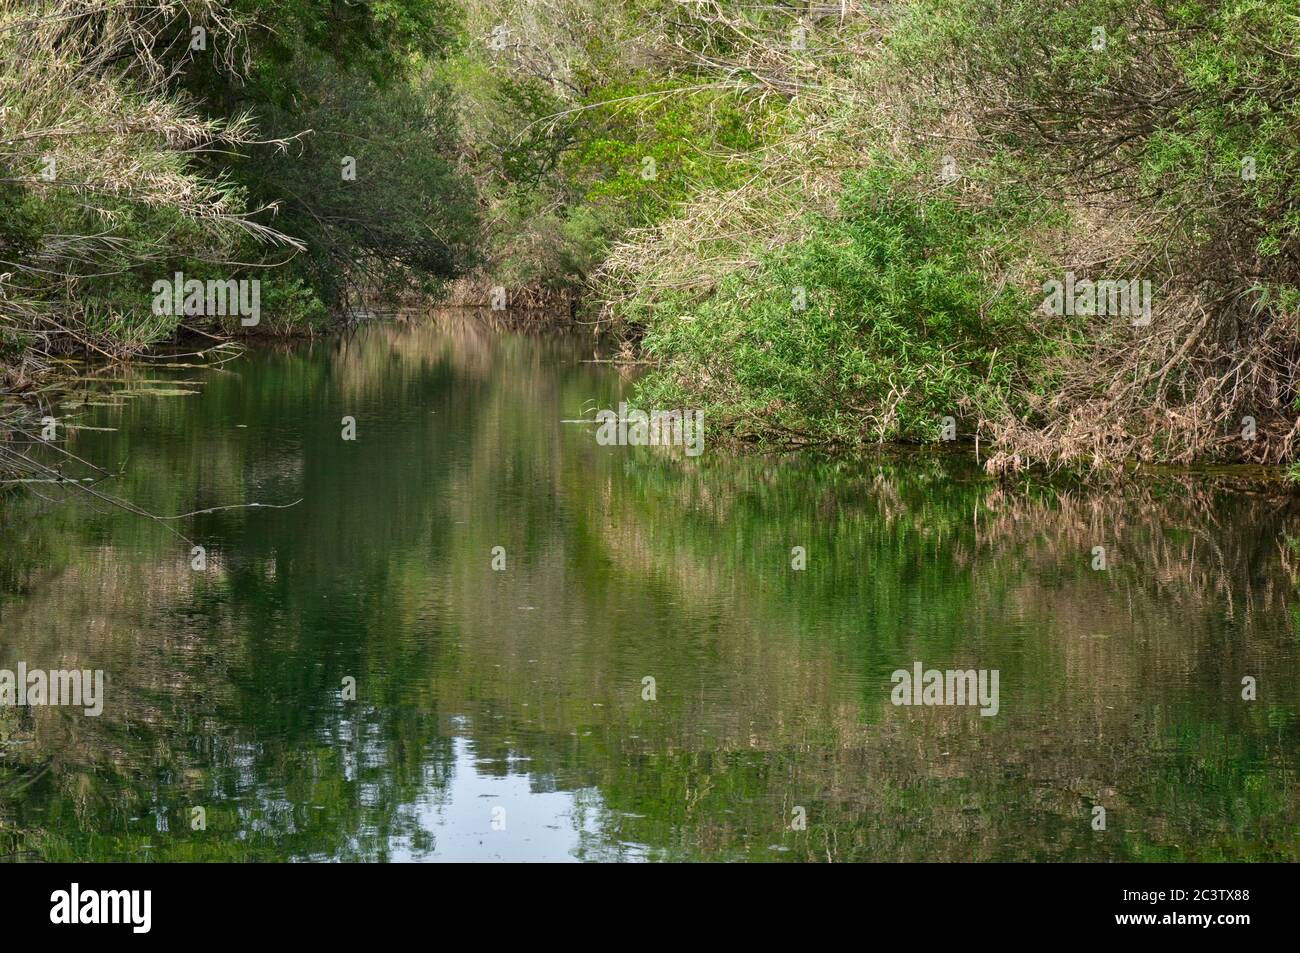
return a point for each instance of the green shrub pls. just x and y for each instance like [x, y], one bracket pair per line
[902, 326]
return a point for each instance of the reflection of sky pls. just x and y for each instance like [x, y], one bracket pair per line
[456, 821]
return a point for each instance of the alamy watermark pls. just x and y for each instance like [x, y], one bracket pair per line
[181, 296]
[953, 687]
[1131, 298]
[76, 906]
[77, 688]
[658, 428]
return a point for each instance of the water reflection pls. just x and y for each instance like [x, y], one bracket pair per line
[523, 688]
[496, 810]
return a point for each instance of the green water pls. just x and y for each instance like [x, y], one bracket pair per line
[503, 714]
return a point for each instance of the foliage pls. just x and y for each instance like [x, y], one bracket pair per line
[579, 133]
[1159, 144]
[352, 81]
[206, 137]
[875, 327]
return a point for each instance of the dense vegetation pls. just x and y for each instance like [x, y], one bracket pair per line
[827, 225]
[872, 257]
[304, 145]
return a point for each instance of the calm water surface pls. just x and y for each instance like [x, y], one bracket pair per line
[500, 714]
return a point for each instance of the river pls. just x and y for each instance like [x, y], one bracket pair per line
[478, 634]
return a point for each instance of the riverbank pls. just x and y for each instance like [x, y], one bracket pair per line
[826, 229]
[898, 259]
[74, 388]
